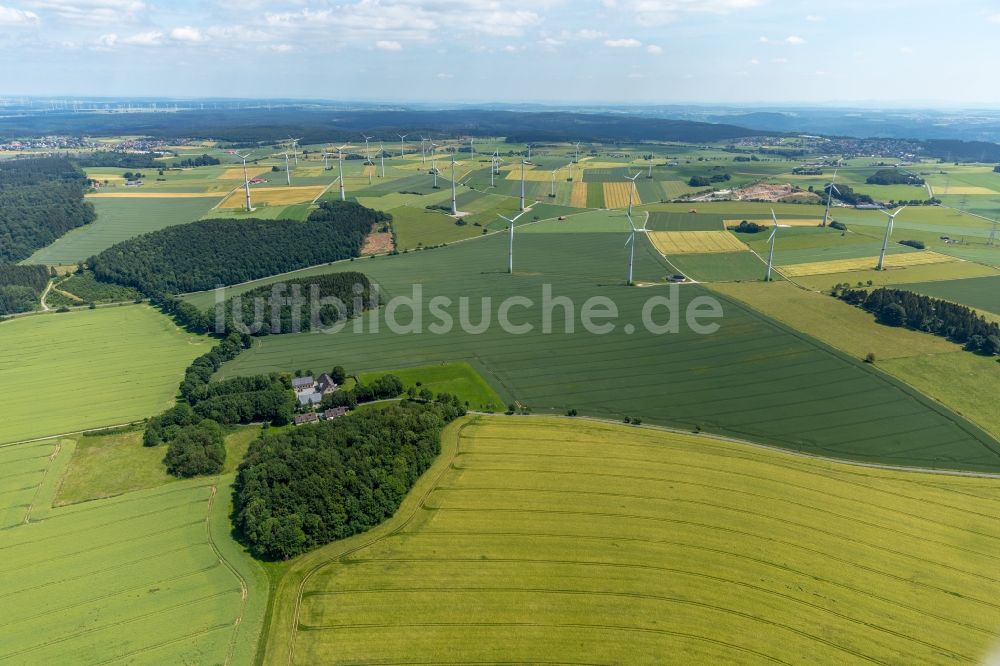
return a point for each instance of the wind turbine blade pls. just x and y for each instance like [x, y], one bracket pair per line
[629, 240]
[775, 218]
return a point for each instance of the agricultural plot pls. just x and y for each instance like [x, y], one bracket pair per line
[119, 220]
[721, 266]
[595, 195]
[455, 378]
[900, 260]
[273, 196]
[416, 227]
[616, 195]
[606, 174]
[821, 400]
[127, 362]
[900, 276]
[784, 222]
[661, 221]
[530, 175]
[690, 549]
[800, 245]
[153, 194]
[650, 190]
[980, 293]
[136, 578]
[695, 242]
[578, 197]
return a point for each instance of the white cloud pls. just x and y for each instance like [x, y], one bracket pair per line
[905, 50]
[92, 12]
[15, 16]
[794, 40]
[589, 34]
[187, 34]
[106, 42]
[281, 48]
[754, 61]
[445, 75]
[627, 43]
[779, 61]
[659, 12]
[151, 38]
[388, 45]
[653, 49]
[995, 18]
[813, 18]
[636, 75]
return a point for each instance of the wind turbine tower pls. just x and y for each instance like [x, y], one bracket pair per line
[510, 250]
[631, 188]
[246, 179]
[288, 174]
[829, 198]
[630, 241]
[381, 156]
[888, 233]
[340, 159]
[770, 254]
[402, 146]
[522, 185]
[454, 188]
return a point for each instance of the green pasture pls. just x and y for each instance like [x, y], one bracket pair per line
[953, 270]
[799, 245]
[118, 220]
[415, 227]
[539, 540]
[980, 293]
[455, 378]
[113, 365]
[721, 266]
[145, 577]
[818, 400]
[663, 221]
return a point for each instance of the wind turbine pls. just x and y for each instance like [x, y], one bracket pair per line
[630, 241]
[381, 156]
[423, 151]
[288, 174]
[577, 152]
[246, 179]
[472, 149]
[631, 188]
[454, 187]
[529, 152]
[340, 158]
[402, 146]
[510, 251]
[295, 153]
[770, 239]
[326, 160]
[522, 185]
[552, 194]
[829, 198]
[434, 168]
[367, 156]
[888, 232]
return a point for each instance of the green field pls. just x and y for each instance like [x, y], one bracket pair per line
[660, 221]
[555, 541]
[456, 378]
[86, 369]
[899, 276]
[979, 293]
[721, 266]
[119, 220]
[146, 577]
[817, 399]
[417, 227]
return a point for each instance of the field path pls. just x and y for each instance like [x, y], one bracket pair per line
[48, 288]
[244, 589]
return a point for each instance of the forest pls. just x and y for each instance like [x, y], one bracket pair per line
[302, 488]
[208, 253]
[40, 200]
[21, 287]
[897, 307]
[299, 305]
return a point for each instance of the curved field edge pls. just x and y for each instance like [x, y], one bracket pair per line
[899, 490]
[276, 644]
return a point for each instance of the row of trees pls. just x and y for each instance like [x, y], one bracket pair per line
[40, 200]
[205, 254]
[382, 388]
[705, 181]
[896, 307]
[287, 306]
[893, 177]
[300, 489]
[21, 287]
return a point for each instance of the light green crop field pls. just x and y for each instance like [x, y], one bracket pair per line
[118, 220]
[753, 378]
[540, 540]
[114, 365]
[416, 226]
[456, 378]
[146, 577]
[952, 270]
[721, 266]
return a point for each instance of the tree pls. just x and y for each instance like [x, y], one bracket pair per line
[197, 450]
[892, 314]
[338, 374]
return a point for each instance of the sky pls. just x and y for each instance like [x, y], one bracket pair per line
[772, 52]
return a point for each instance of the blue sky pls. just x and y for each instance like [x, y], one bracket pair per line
[620, 51]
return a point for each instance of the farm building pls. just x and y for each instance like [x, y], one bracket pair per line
[310, 417]
[334, 413]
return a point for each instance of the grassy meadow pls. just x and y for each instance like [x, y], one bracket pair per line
[539, 540]
[90, 368]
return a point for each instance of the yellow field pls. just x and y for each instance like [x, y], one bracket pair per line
[273, 196]
[309, 171]
[865, 263]
[578, 197]
[236, 173]
[695, 242]
[803, 222]
[153, 194]
[963, 189]
[616, 195]
[530, 175]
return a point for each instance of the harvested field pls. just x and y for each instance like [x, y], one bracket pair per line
[865, 263]
[273, 196]
[962, 189]
[695, 242]
[578, 198]
[377, 243]
[616, 195]
[236, 173]
[794, 222]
